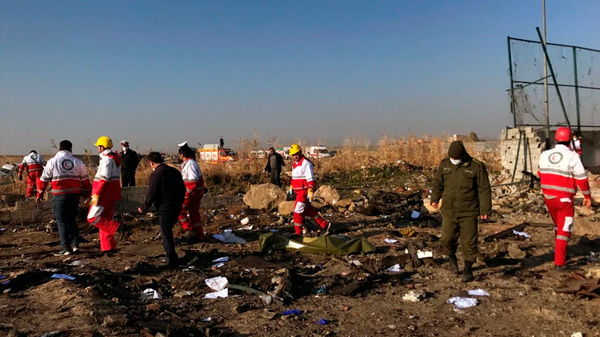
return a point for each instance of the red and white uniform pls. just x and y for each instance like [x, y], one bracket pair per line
[34, 165]
[303, 178]
[66, 173]
[107, 185]
[577, 144]
[561, 172]
[189, 217]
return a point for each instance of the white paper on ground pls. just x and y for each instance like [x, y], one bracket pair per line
[394, 269]
[463, 302]
[218, 265]
[229, 237]
[245, 221]
[150, 294]
[423, 255]
[390, 240]
[217, 283]
[356, 263]
[222, 259]
[523, 234]
[478, 292]
[221, 293]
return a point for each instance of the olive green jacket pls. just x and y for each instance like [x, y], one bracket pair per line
[464, 188]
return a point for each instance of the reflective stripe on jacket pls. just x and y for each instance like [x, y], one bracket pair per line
[561, 171]
[107, 182]
[303, 175]
[32, 162]
[66, 173]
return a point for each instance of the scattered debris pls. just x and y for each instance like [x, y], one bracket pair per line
[478, 292]
[414, 296]
[150, 294]
[229, 237]
[63, 277]
[323, 244]
[506, 232]
[463, 302]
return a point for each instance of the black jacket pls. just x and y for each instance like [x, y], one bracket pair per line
[166, 189]
[280, 162]
[129, 160]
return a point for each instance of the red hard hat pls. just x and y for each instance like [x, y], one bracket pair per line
[562, 134]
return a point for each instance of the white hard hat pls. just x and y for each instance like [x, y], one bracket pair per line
[182, 144]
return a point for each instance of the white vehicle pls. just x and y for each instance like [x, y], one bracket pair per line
[318, 151]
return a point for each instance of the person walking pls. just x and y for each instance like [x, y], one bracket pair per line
[69, 180]
[129, 163]
[106, 191]
[463, 185]
[166, 191]
[274, 166]
[191, 173]
[561, 172]
[33, 163]
[303, 184]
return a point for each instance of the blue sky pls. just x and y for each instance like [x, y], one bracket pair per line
[158, 72]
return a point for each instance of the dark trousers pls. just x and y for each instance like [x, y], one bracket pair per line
[65, 209]
[275, 177]
[463, 229]
[127, 178]
[167, 220]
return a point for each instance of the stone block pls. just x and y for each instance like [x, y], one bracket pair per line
[26, 205]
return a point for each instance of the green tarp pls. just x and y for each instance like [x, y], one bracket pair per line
[322, 244]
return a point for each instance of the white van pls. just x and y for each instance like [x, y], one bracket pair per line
[318, 151]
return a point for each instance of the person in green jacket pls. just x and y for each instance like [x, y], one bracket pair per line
[463, 185]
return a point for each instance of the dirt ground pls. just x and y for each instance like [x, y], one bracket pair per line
[104, 299]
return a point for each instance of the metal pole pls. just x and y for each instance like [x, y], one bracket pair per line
[546, 103]
[560, 99]
[512, 88]
[576, 92]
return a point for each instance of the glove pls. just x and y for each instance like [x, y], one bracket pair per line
[290, 192]
[94, 201]
[20, 177]
[310, 194]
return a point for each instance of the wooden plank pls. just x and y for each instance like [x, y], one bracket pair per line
[506, 232]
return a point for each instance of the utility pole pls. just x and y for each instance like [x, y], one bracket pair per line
[546, 103]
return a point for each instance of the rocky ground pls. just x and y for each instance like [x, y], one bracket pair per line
[352, 295]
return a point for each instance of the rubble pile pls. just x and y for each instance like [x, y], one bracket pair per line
[517, 199]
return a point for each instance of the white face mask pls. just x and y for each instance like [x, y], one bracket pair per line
[455, 161]
[125, 148]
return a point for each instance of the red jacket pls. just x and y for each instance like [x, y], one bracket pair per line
[107, 182]
[31, 163]
[303, 176]
[192, 177]
[67, 174]
[561, 172]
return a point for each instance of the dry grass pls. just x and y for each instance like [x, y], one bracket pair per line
[356, 154]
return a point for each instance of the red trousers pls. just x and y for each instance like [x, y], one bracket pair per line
[302, 209]
[103, 218]
[189, 217]
[562, 212]
[33, 183]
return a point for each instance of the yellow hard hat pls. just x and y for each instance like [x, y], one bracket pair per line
[295, 148]
[104, 141]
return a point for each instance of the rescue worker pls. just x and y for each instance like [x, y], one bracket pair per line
[561, 172]
[303, 184]
[129, 163]
[70, 180]
[166, 191]
[106, 190]
[191, 173]
[274, 166]
[463, 185]
[576, 145]
[33, 163]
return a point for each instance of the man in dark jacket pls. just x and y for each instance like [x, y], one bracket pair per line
[463, 185]
[274, 164]
[129, 163]
[166, 191]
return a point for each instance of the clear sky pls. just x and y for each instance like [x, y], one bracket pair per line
[160, 72]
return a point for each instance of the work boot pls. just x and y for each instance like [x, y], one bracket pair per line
[468, 272]
[452, 264]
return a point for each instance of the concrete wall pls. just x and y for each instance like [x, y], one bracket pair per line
[513, 153]
[132, 197]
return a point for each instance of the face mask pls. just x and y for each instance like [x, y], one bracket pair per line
[455, 161]
[125, 149]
